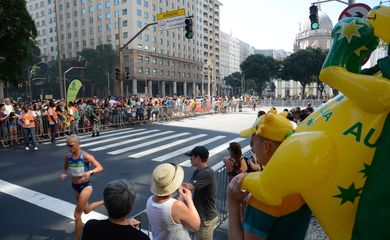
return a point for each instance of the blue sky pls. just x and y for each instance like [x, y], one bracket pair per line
[273, 24]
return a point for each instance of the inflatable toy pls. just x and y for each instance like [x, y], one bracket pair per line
[339, 157]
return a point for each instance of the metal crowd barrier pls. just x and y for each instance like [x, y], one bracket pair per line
[117, 118]
[289, 103]
[222, 184]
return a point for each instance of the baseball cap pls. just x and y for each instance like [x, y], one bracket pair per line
[200, 151]
[272, 126]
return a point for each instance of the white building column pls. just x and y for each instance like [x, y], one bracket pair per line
[162, 88]
[174, 88]
[185, 89]
[150, 88]
[134, 81]
[193, 89]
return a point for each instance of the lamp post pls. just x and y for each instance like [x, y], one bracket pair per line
[29, 77]
[68, 70]
[108, 80]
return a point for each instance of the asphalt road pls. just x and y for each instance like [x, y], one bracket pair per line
[35, 204]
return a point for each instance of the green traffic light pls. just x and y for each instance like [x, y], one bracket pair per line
[189, 35]
[314, 26]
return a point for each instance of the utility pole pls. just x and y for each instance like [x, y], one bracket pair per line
[121, 48]
[120, 56]
[62, 87]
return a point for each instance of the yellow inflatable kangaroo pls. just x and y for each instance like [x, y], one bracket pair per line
[344, 144]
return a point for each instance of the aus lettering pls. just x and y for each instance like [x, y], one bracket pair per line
[357, 130]
[326, 113]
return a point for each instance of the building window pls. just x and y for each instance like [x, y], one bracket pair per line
[139, 58]
[154, 60]
[124, 23]
[125, 35]
[154, 72]
[116, 13]
[116, 2]
[146, 15]
[108, 26]
[139, 12]
[146, 4]
[147, 60]
[108, 4]
[108, 15]
[91, 9]
[99, 6]
[139, 46]
[139, 2]
[146, 37]
[139, 24]
[124, 11]
[140, 69]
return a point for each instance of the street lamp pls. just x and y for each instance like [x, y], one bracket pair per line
[68, 70]
[108, 80]
[29, 77]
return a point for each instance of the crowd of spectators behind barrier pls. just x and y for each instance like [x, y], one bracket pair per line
[97, 113]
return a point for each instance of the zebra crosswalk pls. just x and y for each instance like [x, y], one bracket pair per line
[155, 144]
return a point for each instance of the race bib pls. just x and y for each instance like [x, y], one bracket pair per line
[76, 169]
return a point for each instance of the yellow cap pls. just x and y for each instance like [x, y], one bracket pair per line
[272, 126]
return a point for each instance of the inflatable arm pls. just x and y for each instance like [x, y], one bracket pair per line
[359, 88]
[300, 163]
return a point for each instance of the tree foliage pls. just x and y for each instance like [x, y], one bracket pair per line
[99, 62]
[260, 69]
[17, 34]
[303, 66]
[234, 81]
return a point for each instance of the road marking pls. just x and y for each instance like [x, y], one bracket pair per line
[87, 137]
[104, 137]
[186, 149]
[134, 133]
[214, 151]
[122, 150]
[130, 141]
[162, 147]
[56, 205]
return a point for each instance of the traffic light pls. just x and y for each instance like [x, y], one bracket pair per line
[314, 17]
[117, 74]
[189, 32]
[127, 75]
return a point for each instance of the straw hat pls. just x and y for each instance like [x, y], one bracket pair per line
[166, 179]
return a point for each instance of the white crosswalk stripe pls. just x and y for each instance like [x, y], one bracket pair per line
[172, 144]
[87, 137]
[186, 149]
[214, 151]
[129, 141]
[139, 143]
[134, 133]
[122, 150]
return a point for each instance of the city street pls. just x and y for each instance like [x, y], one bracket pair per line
[37, 205]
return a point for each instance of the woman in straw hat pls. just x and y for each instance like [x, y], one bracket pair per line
[169, 218]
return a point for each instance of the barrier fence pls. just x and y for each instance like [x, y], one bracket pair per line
[12, 132]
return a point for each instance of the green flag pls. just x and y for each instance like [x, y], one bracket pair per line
[73, 89]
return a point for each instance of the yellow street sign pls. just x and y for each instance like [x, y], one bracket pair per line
[174, 13]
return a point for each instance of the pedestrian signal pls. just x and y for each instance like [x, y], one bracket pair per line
[117, 74]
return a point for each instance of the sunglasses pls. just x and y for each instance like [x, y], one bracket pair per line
[69, 145]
